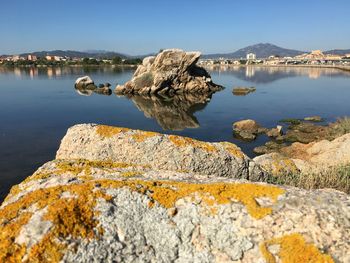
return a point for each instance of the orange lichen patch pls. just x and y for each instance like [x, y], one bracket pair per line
[109, 131]
[130, 173]
[15, 190]
[9, 250]
[166, 193]
[233, 149]
[70, 217]
[294, 249]
[281, 165]
[184, 141]
[75, 216]
[141, 136]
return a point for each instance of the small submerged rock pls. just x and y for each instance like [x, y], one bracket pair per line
[247, 129]
[242, 91]
[275, 132]
[85, 86]
[314, 119]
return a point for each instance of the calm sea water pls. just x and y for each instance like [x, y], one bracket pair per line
[38, 105]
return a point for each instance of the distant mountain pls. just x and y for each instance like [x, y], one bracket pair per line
[262, 50]
[78, 54]
[338, 51]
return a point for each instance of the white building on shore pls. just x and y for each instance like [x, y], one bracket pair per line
[251, 56]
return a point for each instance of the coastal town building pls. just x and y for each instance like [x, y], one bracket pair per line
[251, 56]
[32, 57]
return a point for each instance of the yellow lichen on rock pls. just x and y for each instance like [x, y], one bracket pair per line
[70, 217]
[282, 166]
[76, 217]
[109, 131]
[166, 193]
[233, 149]
[141, 136]
[9, 250]
[130, 173]
[294, 249]
[184, 141]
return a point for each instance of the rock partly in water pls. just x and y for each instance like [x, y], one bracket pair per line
[269, 147]
[85, 83]
[306, 132]
[85, 86]
[275, 132]
[247, 129]
[243, 91]
[103, 90]
[118, 208]
[314, 119]
[172, 71]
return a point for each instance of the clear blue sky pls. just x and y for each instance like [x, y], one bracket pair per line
[144, 26]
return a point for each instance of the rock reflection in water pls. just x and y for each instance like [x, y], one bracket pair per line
[172, 113]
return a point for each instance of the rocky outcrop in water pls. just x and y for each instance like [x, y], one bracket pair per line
[85, 86]
[242, 91]
[120, 195]
[172, 71]
[247, 129]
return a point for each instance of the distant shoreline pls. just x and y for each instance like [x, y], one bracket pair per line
[70, 66]
[344, 68]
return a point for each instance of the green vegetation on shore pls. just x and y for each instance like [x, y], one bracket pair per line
[336, 178]
[82, 62]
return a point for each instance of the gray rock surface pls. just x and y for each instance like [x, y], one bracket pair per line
[172, 71]
[102, 201]
[168, 152]
[132, 213]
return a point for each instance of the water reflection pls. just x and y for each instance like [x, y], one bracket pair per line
[58, 72]
[264, 74]
[175, 113]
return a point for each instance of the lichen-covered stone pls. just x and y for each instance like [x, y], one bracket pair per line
[89, 211]
[97, 202]
[168, 152]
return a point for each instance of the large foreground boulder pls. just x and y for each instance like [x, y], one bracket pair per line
[172, 71]
[168, 152]
[104, 211]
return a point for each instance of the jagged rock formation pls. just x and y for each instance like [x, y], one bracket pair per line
[109, 207]
[172, 113]
[172, 71]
